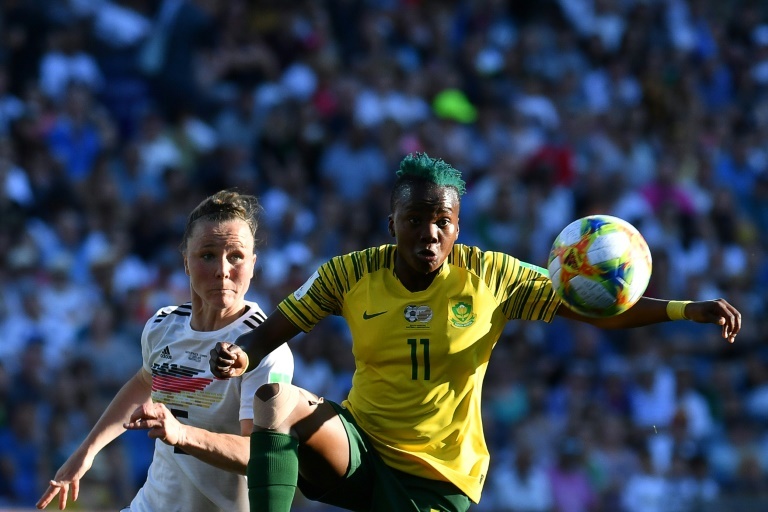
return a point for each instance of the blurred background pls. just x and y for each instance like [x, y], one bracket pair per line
[118, 116]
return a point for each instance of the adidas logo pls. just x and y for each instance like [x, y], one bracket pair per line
[165, 354]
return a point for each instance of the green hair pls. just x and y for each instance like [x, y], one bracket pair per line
[420, 166]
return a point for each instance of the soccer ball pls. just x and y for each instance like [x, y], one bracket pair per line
[599, 265]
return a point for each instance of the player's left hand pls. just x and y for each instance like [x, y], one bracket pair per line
[159, 421]
[719, 312]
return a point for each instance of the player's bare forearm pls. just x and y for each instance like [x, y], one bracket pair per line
[648, 311]
[223, 450]
[135, 392]
[227, 359]
[275, 331]
[229, 452]
[66, 482]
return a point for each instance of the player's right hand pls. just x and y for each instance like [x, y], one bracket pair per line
[718, 312]
[67, 478]
[227, 360]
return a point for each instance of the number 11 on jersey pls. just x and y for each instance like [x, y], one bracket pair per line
[414, 343]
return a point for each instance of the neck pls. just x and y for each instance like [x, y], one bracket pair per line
[207, 319]
[414, 281]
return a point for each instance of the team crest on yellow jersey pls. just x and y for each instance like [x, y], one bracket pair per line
[462, 314]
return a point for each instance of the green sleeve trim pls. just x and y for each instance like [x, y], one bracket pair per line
[275, 377]
[535, 268]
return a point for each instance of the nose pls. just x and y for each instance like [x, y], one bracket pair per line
[223, 268]
[429, 232]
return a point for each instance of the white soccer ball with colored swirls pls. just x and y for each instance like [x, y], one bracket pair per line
[600, 265]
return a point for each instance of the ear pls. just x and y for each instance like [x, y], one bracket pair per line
[186, 266]
[391, 226]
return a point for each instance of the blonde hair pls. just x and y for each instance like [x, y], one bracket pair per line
[223, 206]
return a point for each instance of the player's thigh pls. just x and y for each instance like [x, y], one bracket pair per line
[355, 488]
[324, 452]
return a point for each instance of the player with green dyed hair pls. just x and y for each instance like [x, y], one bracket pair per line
[435, 170]
[425, 314]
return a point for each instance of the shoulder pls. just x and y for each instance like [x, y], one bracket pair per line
[169, 314]
[167, 320]
[351, 267]
[371, 258]
[253, 315]
[494, 265]
[476, 259]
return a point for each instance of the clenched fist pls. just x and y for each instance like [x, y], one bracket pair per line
[228, 360]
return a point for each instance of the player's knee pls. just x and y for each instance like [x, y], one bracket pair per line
[273, 403]
[268, 391]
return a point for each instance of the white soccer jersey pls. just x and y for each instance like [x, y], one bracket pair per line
[177, 357]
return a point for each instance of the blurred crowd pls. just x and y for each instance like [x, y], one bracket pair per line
[118, 116]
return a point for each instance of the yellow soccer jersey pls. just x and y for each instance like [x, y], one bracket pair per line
[421, 357]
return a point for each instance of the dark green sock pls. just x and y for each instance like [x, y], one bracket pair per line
[273, 472]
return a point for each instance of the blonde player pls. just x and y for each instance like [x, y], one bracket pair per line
[201, 423]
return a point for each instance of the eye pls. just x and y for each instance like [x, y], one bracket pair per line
[414, 220]
[443, 222]
[206, 256]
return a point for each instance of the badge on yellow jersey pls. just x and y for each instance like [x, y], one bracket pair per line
[462, 314]
[418, 316]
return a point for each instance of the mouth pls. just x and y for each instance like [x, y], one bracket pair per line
[427, 255]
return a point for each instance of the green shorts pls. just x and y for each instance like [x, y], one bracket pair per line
[371, 485]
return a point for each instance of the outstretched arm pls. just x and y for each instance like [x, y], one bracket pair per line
[230, 360]
[229, 452]
[134, 393]
[649, 311]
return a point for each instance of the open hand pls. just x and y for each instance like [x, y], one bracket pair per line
[718, 312]
[67, 480]
[227, 360]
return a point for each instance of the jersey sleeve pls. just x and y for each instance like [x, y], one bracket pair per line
[320, 296]
[526, 290]
[147, 341]
[277, 366]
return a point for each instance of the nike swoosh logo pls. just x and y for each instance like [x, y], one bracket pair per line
[366, 316]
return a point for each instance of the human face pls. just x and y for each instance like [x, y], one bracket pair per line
[219, 261]
[425, 222]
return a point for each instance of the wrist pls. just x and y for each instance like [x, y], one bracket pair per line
[181, 441]
[243, 358]
[86, 453]
[676, 309]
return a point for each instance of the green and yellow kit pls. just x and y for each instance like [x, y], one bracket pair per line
[421, 356]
